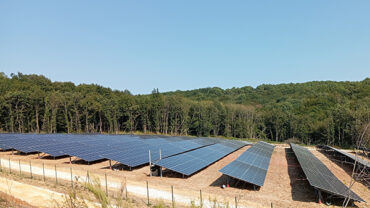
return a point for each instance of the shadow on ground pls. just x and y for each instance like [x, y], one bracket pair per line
[301, 189]
[222, 181]
[48, 157]
[348, 168]
[83, 162]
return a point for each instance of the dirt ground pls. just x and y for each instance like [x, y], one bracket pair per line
[285, 184]
[7, 201]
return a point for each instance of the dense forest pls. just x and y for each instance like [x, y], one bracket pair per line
[314, 112]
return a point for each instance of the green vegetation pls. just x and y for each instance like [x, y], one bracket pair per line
[312, 112]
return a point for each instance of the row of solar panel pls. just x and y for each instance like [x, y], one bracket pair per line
[319, 176]
[252, 165]
[128, 150]
[191, 162]
[363, 162]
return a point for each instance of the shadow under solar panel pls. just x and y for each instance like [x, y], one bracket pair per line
[319, 176]
[363, 162]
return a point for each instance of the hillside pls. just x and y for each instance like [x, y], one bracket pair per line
[313, 112]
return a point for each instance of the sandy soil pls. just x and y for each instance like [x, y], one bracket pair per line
[285, 184]
[30, 194]
[7, 201]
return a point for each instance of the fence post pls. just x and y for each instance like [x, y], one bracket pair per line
[56, 175]
[147, 192]
[271, 205]
[71, 177]
[20, 169]
[236, 203]
[173, 200]
[43, 172]
[88, 177]
[150, 164]
[31, 169]
[201, 198]
[126, 189]
[160, 158]
[106, 184]
[1, 167]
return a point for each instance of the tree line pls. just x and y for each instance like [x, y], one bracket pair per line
[313, 112]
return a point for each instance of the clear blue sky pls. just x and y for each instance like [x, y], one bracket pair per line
[170, 45]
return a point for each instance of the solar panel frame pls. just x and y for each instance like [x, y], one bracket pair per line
[129, 150]
[193, 161]
[319, 176]
[138, 155]
[252, 165]
[363, 162]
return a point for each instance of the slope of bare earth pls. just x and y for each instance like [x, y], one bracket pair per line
[22, 194]
[285, 184]
[7, 201]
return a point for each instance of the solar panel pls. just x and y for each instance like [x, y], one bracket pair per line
[129, 150]
[351, 156]
[319, 176]
[20, 144]
[54, 150]
[252, 165]
[138, 154]
[3, 147]
[191, 162]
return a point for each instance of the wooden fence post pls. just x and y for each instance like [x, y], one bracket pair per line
[150, 164]
[201, 198]
[43, 172]
[147, 192]
[20, 169]
[56, 175]
[106, 184]
[31, 169]
[126, 189]
[173, 200]
[88, 177]
[71, 177]
[160, 158]
[236, 203]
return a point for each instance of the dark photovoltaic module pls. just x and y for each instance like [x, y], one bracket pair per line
[129, 150]
[252, 165]
[191, 162]
[319, 176]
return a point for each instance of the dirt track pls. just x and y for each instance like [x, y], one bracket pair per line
[285, 185]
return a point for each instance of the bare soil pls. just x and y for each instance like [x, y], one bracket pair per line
[285, 184]
[7, 201]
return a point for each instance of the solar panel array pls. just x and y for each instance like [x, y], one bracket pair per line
[137, 153]
[126, 149]
[191, 162]
[319, 176]
[252, 165]
[365, 163]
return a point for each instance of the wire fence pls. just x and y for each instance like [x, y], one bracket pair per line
[65, 176]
